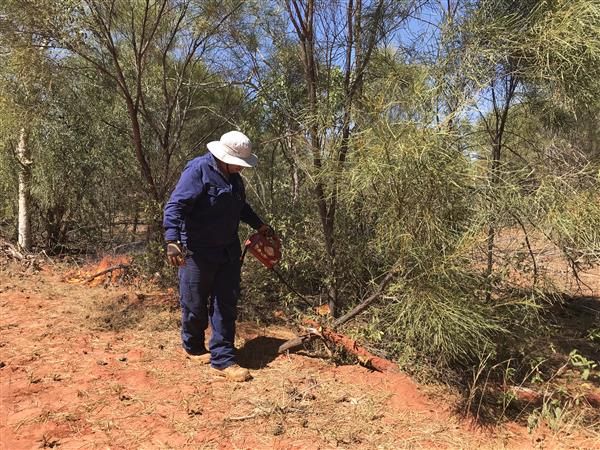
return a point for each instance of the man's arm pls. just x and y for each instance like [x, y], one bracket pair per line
[189, 187]
[250, 217]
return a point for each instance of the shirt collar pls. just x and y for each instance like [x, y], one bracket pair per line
[212, 162]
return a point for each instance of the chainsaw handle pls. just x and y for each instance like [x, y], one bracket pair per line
[266, 230]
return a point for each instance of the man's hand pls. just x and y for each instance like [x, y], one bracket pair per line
[175, 254]
[266, 230]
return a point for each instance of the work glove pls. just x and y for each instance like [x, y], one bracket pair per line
[266, 230]
[175, 253]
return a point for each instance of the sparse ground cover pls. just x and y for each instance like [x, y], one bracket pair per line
[432, 167]
[101, 367]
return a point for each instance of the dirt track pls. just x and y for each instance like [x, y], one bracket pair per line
[102, 368]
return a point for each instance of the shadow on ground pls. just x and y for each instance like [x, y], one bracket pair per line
[576, 319]
[259, 352]
[540, 370]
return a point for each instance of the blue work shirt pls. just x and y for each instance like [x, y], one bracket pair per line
[205, 209]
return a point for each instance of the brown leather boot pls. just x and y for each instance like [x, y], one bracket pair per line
[200, 359]
[233, 373]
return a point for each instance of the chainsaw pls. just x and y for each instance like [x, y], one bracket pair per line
[267, 249]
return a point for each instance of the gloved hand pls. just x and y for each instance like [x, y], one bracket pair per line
[175, 253]
[266, 230]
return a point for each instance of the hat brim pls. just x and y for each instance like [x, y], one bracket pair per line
[220, 152]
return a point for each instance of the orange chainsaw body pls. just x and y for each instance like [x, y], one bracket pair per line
[267, 249]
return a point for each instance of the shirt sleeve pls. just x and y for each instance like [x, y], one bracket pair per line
[250, 217]
[189, 187]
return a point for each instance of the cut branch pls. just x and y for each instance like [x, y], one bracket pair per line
[362, 306]
[110, 269]
[365, 357]
[306, 338]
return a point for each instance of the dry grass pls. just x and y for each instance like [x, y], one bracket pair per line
[125, 383]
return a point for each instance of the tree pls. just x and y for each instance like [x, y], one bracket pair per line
[520, 48]
[337, 41]
[152, 53]
[24, 86]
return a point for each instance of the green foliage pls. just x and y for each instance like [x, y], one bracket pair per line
[8, 192]
[582, 363]
[414, 192]
[81, 155]
[552, 44]
[414, 197]
[151, 264]
[594, 335]
[552, 412]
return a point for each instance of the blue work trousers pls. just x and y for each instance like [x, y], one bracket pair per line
[208, 292]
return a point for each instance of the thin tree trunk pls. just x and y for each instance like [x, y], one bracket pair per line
[496, 153]
[302, 17]
[272, 175]
[357, 56]
[497, 134]
[295, 184]
[25, 163]
[288, 144]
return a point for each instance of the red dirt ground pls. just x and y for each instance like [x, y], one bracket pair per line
[91, 367]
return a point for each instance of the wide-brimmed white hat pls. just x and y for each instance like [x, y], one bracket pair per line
[234, 148]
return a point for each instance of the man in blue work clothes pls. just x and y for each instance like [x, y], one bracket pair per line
[201, 222]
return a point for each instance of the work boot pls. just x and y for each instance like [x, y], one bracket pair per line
[233, 373]
[204, 358]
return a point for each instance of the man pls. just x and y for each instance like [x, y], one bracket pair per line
[201, 222]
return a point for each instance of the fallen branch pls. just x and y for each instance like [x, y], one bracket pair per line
[27, 260]
[12, 251]
[306, 338]
[532, 397]
[361, 307]
[365, 357]
[296, 342]
[102, 272]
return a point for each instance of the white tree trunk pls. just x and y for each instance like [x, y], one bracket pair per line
[25, 162]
